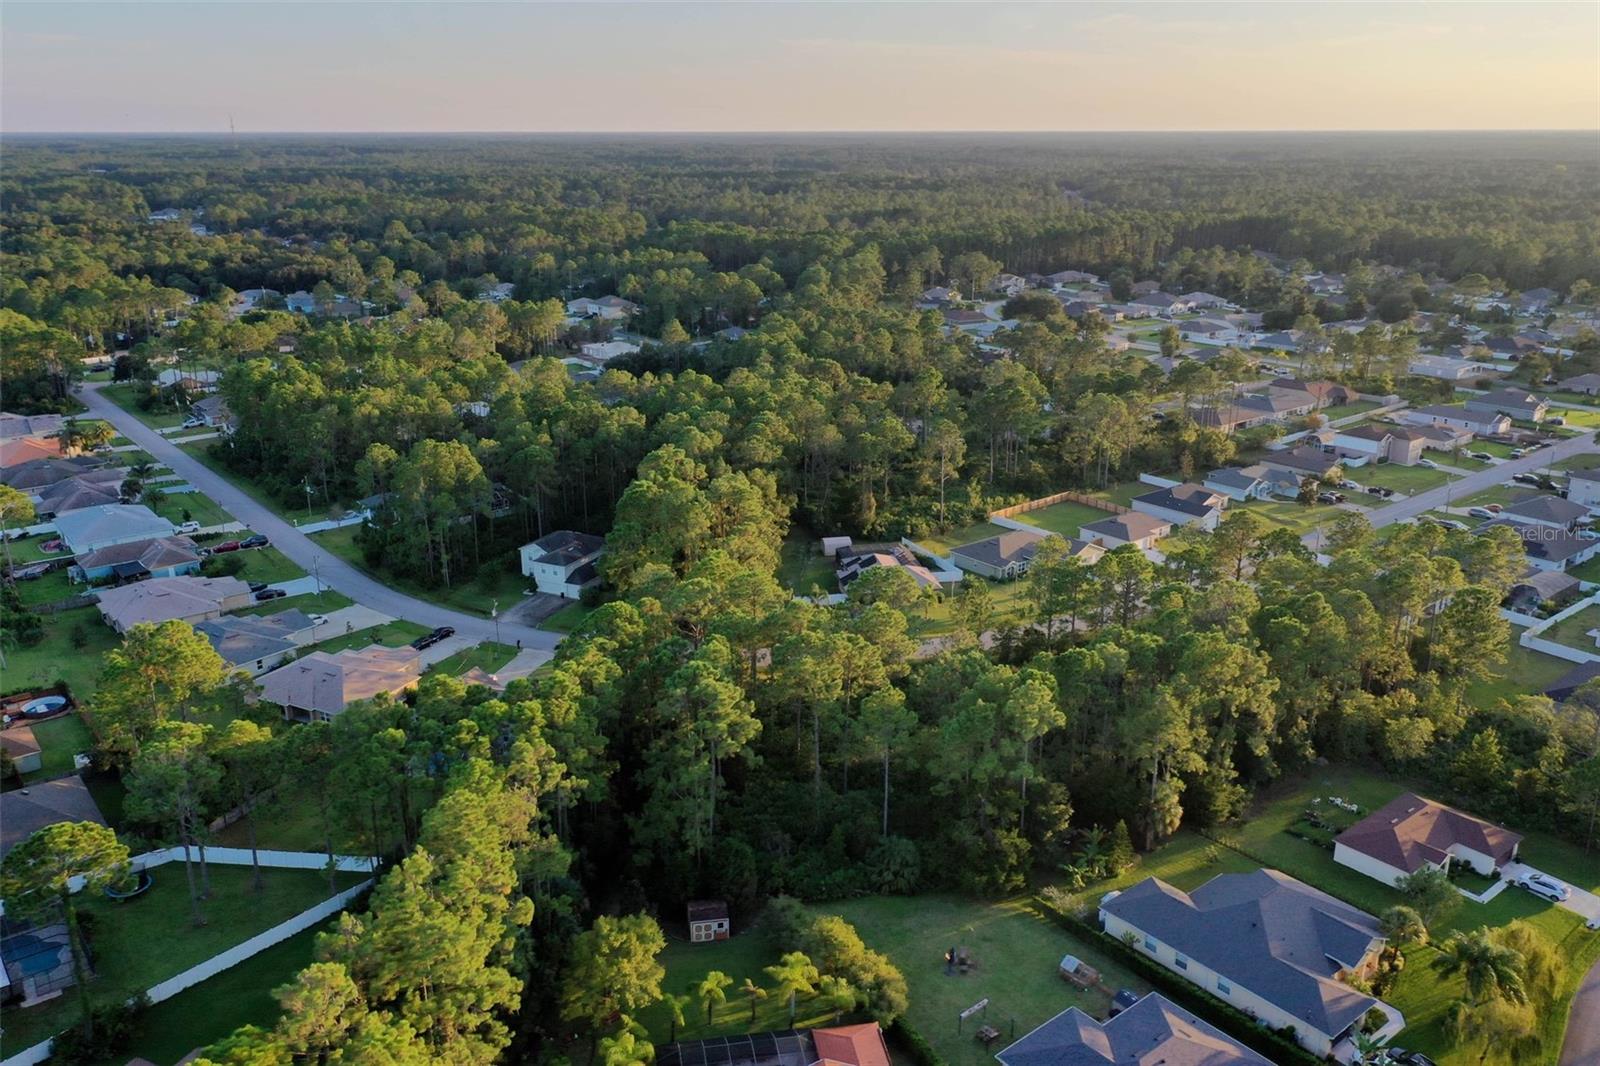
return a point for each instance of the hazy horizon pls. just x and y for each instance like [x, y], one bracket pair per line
[790, 68]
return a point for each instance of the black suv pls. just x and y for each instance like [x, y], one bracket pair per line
[429, 640]
[257, 541]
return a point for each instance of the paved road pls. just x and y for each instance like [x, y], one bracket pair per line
[302, 550]
[1412, 506]
[1582, 1046]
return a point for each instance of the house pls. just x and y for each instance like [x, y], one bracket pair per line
[1306, 460]
[1517, 403]
[19, 744]
[1445, 368]
[90, 528]
[1162, 303]
[1203, 301]
[1285, 340]
[257, 643]
[1550, 511]
[708, 920]
[1563, 688]
[20, 450]
[1136, 527]
[318, 686]
[1001, 557]
[213, 411]
[1547, 547]
[1440, 438]
[1534, 300]
[1377, 444]
[840, 1045]
[1583, 486]
[23, 812]
[609, 308]
[1070, 277]
[850, 564]
[15, 426]
[940, 295]
[136, 560]
[301, 302]
[164, 599]
[1144, 288]
[1263, 942]
[191, 381]
[1411, 832]
[1153, 1032]
[1534, 590]
[1587, 384]
[1483, 424]
[1510, 347]
[36, 475]
[1327, 393]
[605, 351]
[562, 563]
[250, 299]
[497, 294]
[1008, 284]
[1240, 483]
[1080, 308]
[1273, 405]
[76, 493]
[1209, 331]
[1184, 505]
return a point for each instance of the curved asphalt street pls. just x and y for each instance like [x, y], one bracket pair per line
[301, 549]
[1582, 1046]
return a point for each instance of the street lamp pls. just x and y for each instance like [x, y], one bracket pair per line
[494, 612]
[308, 501]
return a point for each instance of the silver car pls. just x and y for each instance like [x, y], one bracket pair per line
[1546, 886]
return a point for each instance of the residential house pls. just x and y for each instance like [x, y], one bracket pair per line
[165, 599]
[1162, 303]
[1136, 528]
[940, 295]
[301, 302]
[1535, 300]
[708, 920]
[74, 494]
[1547, 547]
[563, 563]
[497, 294]
[609, 308]
[1377, 444]
[1209, 331]
[850, 564]
[1445, 368]
[89, 528]
[19, 743]
[1145, 288]
[1008, 285]
[25, 811]
[1184, 505]
[1325, 284]
[1587, 384]
[1327, 393]
[139, 559]
[1550, 511]
[605, 351]
[1284, 340]
[1262, 942]
[213, 411]
[1259, 481]
[318, 686]
[1439, 438]
[1306, 460]
[1540, 587]
[15, 426]
[1274, 405]
[1070, 277]
[20, 450]
[1517, 403]
[1563, 688]
[1204, 301]
[1153, 1032]
[1079, 308]
[1001, 557]
[1482, 424]
[840, 1045]
[248, 300]
[1583, 487]
[192, 382]
[1510, 347]
[257, 643]
[37, 475]
[1411, 832]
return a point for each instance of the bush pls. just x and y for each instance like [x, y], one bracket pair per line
[918, 1050]
[895, 866]
[115, 1025]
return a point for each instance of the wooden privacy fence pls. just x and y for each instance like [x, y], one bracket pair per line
[1060, 497]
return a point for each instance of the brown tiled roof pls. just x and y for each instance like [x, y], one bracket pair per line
[1410, 831]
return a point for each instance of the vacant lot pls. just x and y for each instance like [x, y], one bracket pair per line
[1064, 518]
[1406, 479]
[180, 507]
[1524, 672]
[59, 655]
[127, 397]
[478, 595]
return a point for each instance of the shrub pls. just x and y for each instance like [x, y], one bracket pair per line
[114, 1025]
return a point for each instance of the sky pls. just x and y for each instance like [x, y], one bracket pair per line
[760, 66]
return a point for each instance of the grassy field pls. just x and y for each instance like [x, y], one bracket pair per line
[51, 588]
[211, 1010]
[265, 564]
[1574, 631]
[1581, 461]
[180, 507]
[126, 397]
[487, 657]
[1524, 672]
[1407, 479]
[55, 657]
[475, 596]
[801, 567]
[390, 635]
[147, 939]
[1289, 514]
[1261, 839]
[572, 615]
[1345, 410]
[1015, 952]
[954, 538]
[1576, 418]
[311, 603]
[1064, 518]
[59, 740]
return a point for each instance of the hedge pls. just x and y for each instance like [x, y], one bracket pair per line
[917, 1048]
[1230, 1019]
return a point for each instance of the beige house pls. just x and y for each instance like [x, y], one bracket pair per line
[318, 687]
[1136, 528]
[163, 599]
[1411, 832]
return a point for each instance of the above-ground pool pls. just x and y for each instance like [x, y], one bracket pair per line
[43, 705]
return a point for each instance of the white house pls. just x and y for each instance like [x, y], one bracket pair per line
[1210, 331]
[1487, 424]
[1411, 832]
[1583, 487]
[610, 308]
[1184, 505]
[605, 351]
[562, 563]
[1136, 528]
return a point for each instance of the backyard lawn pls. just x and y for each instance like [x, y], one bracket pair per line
[1345, 410]
[802, 566]
[954, 538]
[59, 740]
[1525, 672]
[1289, 514]
[51, 588]
[56, 658]
[1064, 518]
[1574, 631]
[150, 938]
[475, 596]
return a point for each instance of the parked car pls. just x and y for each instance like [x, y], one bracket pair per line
[189, 527]
[1327, 497]
[1556, 421]
[52, 545]
[1480, 512]
[1407, 1058]
[18, 534]
[29, 572]
[1545, 886]
[1484, 457]
[1427, 464]
[1525, 479]
[255, 541]
[1448, 523]
[258, 586]
[193, 423]
[226, 546]
[1518, 453]
[270, 594]
[1376, 490]
[428, 640]
[318, 620]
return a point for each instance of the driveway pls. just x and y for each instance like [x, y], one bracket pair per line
[1432, 499]
[302, 550]
[1583, 902]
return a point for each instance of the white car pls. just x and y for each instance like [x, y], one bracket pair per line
[189, 527]
[1427, 464]
[1546, 886]
[193, 423]
[318, 619]
[1480, 512]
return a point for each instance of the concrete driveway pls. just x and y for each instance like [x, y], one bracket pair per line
[1583, 902]
[302, 550]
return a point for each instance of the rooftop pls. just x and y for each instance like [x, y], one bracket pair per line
[1153, 1032]
[1410, 831]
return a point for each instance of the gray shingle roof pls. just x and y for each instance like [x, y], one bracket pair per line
[1547, 509]
[1194, 500]
[1153, 1032]
[1266, 932]
[1012, 546]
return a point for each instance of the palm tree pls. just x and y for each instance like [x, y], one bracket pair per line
[675, 1005]
[712, 991]
[794, 974]
[755, 994]
[1403, 925]
[1488, 968]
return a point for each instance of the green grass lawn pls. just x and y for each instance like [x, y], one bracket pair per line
[1407, 479]
[311, 603]
[201, 451]
[293, 823]
[936, 617]
[1492, 447]
[1573, 631]
[1015, 952]
[264, 564]
[390, 635]
[1525, 672]
[1588, 571]
[487, 657]
[56, 657]
[59, 740]
[801, 567]
[475, 596]
[1123, 492]
[1064, 518]
[147, 939]
[954, 538]
[1581, 461]
[127, 398]
[572, 615]
[180, 507]
[240, 995]
[51, 588]
[1576, 418]
[31, 549]
[1345, 410]
[1289, 514]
